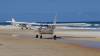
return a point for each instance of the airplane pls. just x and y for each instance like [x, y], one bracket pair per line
[49, 28]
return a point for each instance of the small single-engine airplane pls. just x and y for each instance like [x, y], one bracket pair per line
[49, 28]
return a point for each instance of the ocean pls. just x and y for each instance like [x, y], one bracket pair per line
[71, 24]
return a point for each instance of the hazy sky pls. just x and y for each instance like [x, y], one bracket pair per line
[68, 10]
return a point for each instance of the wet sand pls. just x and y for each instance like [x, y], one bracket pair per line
[23, 43]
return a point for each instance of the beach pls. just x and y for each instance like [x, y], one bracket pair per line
[22, 43]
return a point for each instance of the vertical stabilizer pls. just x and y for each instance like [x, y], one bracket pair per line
[13, 21]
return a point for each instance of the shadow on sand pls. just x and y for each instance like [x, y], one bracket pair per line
[50, 38]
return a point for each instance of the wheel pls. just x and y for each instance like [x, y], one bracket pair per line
[54, 37]
[41, 37]
[37, 35]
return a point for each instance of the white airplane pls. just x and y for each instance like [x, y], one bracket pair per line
[49, 28]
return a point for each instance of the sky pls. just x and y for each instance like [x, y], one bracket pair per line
[45, 10]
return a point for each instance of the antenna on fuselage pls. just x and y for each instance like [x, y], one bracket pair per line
[55, 19]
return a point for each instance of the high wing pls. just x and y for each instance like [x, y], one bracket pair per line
[14, 22]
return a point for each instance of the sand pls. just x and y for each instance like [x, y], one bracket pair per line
[23, 43]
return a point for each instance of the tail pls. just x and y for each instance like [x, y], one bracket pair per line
[13, 21]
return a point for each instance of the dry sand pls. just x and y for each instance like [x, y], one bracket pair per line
[21, 43]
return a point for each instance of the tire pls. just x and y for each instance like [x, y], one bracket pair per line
[54, 37]
[41, 37]
[37, 36]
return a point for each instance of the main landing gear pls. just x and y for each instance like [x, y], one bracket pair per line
[41, 37]
[37, 36]
[54, 37]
